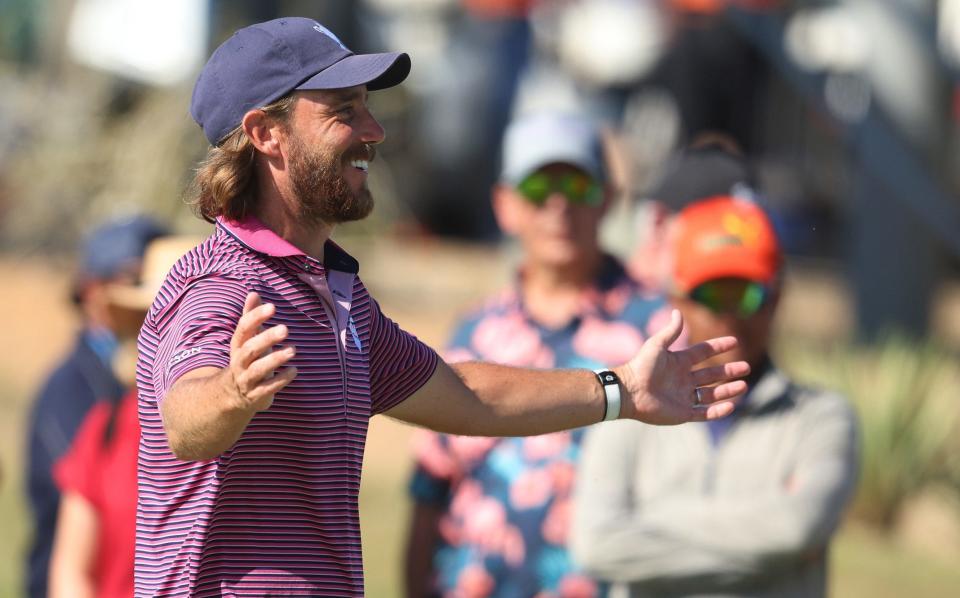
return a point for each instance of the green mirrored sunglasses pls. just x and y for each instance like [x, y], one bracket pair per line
[577, 187]
[742, 298]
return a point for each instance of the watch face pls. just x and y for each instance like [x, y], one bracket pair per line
[607, 377]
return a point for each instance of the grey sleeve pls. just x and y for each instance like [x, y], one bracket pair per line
[717, 541]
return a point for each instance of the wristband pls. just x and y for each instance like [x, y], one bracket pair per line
[611, 389]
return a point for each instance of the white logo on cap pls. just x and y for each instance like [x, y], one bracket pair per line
[321, 29]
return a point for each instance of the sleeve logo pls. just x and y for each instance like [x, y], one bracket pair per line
[186, 353]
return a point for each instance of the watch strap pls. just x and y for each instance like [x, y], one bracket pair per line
[611, 390]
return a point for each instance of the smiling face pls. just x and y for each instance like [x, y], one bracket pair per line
[330, 144]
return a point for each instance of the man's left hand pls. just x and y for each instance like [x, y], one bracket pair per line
[661, 386]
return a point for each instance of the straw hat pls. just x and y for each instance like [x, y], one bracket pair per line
[160, 255]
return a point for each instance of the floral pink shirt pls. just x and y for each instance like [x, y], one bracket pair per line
[507, 500]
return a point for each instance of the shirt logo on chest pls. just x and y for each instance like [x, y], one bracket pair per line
[354, 335]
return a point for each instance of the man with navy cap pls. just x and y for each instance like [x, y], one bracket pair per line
[264, 355]
[111, 254]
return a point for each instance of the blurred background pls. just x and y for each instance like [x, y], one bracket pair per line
[848, 111]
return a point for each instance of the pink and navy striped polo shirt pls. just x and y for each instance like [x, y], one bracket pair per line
[275, 515]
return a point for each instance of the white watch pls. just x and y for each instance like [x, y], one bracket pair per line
[611, 388]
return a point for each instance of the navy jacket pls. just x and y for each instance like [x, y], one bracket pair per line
[75, 385]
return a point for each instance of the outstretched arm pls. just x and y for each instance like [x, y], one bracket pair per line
[206, 410]
[658, 386]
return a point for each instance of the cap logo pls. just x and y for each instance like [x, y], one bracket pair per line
[321, 29]
[716, 242]
[746, 231]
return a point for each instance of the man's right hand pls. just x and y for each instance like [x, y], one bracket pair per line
[206, 411]
[254, 362]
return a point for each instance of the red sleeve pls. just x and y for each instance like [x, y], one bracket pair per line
[76, 470]
[399, 363]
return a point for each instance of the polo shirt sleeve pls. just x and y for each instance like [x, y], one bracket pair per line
[198, 329]
[399, 363]
[76, 470]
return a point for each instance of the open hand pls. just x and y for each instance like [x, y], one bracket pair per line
[661, 385]
[253, 360]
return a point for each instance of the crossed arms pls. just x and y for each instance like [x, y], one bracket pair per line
[711, 542]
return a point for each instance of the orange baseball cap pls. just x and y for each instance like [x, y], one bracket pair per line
[724, 237]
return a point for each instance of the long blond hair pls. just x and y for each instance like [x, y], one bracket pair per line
[225, 182]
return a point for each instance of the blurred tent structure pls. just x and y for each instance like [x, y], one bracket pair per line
[138, 48]
[874, 70]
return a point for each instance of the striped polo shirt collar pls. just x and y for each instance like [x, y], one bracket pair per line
[254, 234]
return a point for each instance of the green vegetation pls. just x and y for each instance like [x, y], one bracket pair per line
[906, 396]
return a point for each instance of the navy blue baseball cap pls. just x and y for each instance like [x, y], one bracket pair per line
[262, 63]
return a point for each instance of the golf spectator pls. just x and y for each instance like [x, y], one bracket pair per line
[97, 477]
[742, 507]
[711, 165]
[493, 509]
[111, 254]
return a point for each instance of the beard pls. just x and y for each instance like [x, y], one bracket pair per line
[323, 193]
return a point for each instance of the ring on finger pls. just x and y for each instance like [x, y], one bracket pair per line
[697, 398]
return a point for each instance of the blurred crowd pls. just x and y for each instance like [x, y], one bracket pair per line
[624, 507]
[850, 141]
[737, 132]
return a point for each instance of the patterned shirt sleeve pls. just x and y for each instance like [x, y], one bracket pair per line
[399, 362]
[198, 329]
